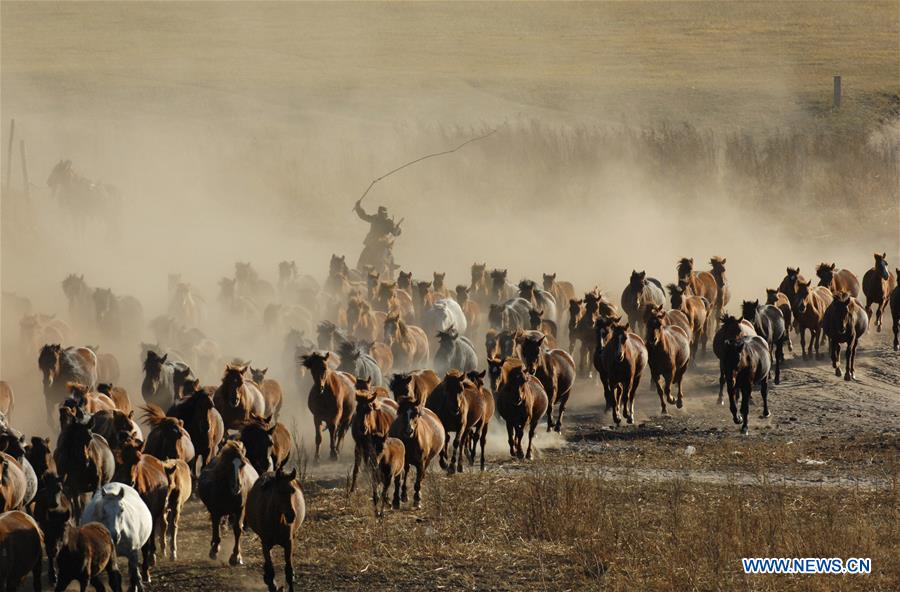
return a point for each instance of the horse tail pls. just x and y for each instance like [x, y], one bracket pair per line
[153, 414]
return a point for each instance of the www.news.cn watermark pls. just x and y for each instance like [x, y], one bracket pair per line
[806, 565]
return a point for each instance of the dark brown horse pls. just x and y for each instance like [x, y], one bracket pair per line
[84, 460]
[562, 291]
[423, 437]
[499, 290]
[809, 308]
[275, 511]
[838, 280]
[878, 283]
[223, 487]
[457, 403]
[237, 398]
[415, 385]
[697, 311]
[845, 322]
[595, 306]
[167, 438]
[792, 279]
[730, 329]
[371, 422]
[405, 281]
[118, 395]
[641, 292]
[555, 368]
[60, 366]
[423, 298]
[87, 552]
[53, 512]
[668, 354]
[202, 422]
[13, 484]
[21, 544]
[408, 343]
[521, 402]
[697, 283]
[267, 444]
[40, 457]
[746, 363]
[624, 358]
[331, 400]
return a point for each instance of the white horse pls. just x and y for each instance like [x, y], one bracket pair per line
[121, 510]
[445, 313]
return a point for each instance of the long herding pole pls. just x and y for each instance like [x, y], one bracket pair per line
[24, 169]
[9, 150]
[420, 159]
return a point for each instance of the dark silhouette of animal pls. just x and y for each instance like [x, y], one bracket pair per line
[521, 402]
[331, 401]
[538, 323]
[267, 444]
[162, 379]
[581, 327]
[113, 425]
[53, 513]
[167, 437]
[40, 456]
[603, 333]
[223, 487]
[641, 291]
[845, 322]
[746, 363]
[511, 315]
[540, 299]
[86, 553]
[329, 336]
[121, 510]
[203, 423]
[408, 343]
[118, 316]
[415, 385]
[838, 280]
[83, 459]
[59, 367]
[457, 403]
[13, 444]
[877, 284]
[696, 283]
[697, 311]
[499, 289]
[387, 466]
[271, 391]
[371, 421]
[730, 329]
[780, 301]
[275, 511]
[80, 298]
[470, 308]
[624, 358]
[454, 351]
[147, 475]
[809, 308]
[895, 313]
[479, 290]
[360, 364]
[478, 433]
[237, 398]
[768, 322]
[668, 355]
[554, 368]
[792, 279]
[423, 437]
[21, 544]
[91, 401]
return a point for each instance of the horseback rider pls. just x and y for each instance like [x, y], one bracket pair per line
[377, 244]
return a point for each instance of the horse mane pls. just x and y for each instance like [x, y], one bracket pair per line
[349, 349]
[230, 450]
[510, 364]
[153, 414]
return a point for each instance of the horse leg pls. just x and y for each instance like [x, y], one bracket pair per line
[532, 427]
[332, 442]
[237, 526]
[632, 391]
[835, 356]
[562, 410]
[397, 484]
[745, 405]
[442, 455]
[803, 342]
[357, 456]
[268, 568]
[721, 383]
[617, 400]
[878, 314]
[484, 431]
[732, 403]
[216, 522]
[417, 495]
[764, 389]
[670, 378]
[35, 574]
[896, 323]
[510, 438]
[818, 334]
[549, 411]
[317, 426]
[654, 378]
[779, 360]
[174, 518]
[459, 442]
[51, 560]
[851, 359]
[289, 564]
[134, 574]
[679, 377]
[520, 432]
[403, 496]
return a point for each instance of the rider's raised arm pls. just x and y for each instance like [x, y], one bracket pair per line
[362, 213]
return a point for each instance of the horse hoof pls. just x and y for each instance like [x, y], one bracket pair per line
[737, 419]
[417, 505]
[848, 377]
[529, 456]
[721, 401]
[236, 560]
[837, 372]
[630, 420]
[765, 415]
[745, 431]
[558, 428]
[777, 380]
[451, 469]
[679, 404]
[213, 553]
[395, 506]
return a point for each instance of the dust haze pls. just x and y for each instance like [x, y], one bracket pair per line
[245, 132]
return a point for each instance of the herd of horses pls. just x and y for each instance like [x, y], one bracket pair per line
[413, 369]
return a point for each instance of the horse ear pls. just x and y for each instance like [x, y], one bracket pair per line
[293, 474]
[541, 340]
[121, 493]
[327, 355]
[481, 374]
[164, 358]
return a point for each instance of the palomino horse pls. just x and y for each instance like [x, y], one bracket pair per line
[878, 283]
[838, 280]
[186, 307]
[332, 400]
[845, 322]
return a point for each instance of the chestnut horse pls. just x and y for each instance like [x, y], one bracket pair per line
[21, 543]
[668, 354]
[809, 308]
[697, 283]
[60, 366]
[267, 443]
[271, 391]
[458, 404]
[723, 294]
[624, 358]
[562, 291]
[641, 291]
[845, 322]
[408, 343]
[167, 438]
[371, 421]
[84, 460]
[415, 385]
[478, 286]
[388, 466]
[838, 280]
[470, 309]
[237, 399]
[202, 421]
[697, 311]
[423, 437]
[521, 402]
[878, 283]
[554, 368]
[331, 400]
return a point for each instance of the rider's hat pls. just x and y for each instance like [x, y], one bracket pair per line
[382, 210]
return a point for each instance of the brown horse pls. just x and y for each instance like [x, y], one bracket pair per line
[21, 543]
[53, 513]
[223, 487]
[84, 460]
[478, 435]
[470, 309]
[555, 368]
[675, 318]
[371, 422]
[878, 283]
[895, 313]
[275, 511]
[180, 488]
[478, 286]
[388, 466]
[408, 343]
[595, 305]
[457, 403]
[389, 298]
[623, 358]
[640, 293]
[792, 279]
[423, 298]
[331, 400]
[91, 401]
[668, 353]
[237, 399]
[270, 389]
[697, 283]
[438, 287]
[838, 280]
[87, 552]
[40, 456]
[845, 321]
[167, 438]
[730, 329]
[6, 399]
[697, 311]
[781, 301]
[809, 308]
[107, 367]
[499, 289]
[118, 395]
[267, 444]
[361, 321]
[146, 473]
[12, 483]
[416, 385]
[114, 426]
[405, 281]
[521, 402]
[61, 366]
[202, 421]
[561, 291]
[423, 437]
